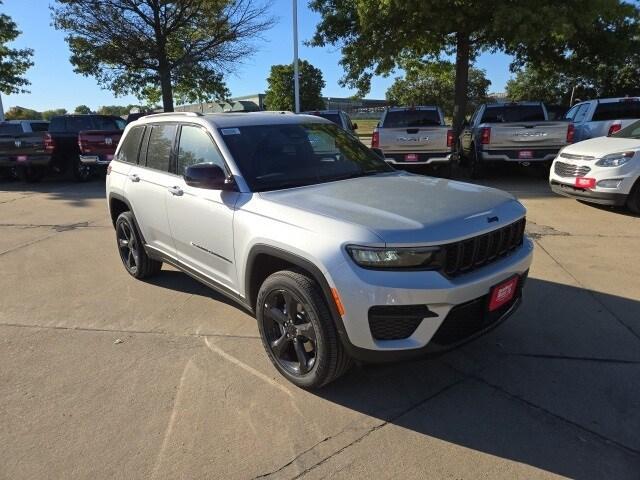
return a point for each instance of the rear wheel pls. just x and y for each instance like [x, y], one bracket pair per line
[81, 171]
[633, 200]
[297, 330]
[132, 252]
[29, 173]
[476, 168]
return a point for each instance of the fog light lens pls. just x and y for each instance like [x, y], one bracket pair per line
[610, 183]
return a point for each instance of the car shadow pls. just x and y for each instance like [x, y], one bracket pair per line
[616, 210]
[555, 387]
[78, 194]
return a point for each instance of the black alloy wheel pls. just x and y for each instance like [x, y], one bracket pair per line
[289, 332]
[128, 247]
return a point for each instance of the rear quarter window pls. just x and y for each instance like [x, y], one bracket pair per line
[513, 113]
[131, 145]
[411, 118]
[617, 110]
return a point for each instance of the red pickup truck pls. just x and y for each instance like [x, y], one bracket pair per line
[98, 146]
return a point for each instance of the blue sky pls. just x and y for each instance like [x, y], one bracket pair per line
[55, 85]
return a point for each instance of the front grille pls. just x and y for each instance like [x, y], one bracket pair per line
[567, 170]
[571, 156]
[395, 322]
[467, 255]
[465, 320]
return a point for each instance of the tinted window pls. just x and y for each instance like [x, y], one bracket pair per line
[160, 144]
[76, 124]
[617, 110]
[10, 128]
[131, 145]
[39, 126]
[411, 118]
[196, 147]
[107, 123]
[282, 156]
[513, 113]
[332, 117]
[57, 124]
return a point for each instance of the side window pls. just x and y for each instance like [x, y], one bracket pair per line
[196, 147]
[131, 145]
[581, 113]
[160, 145]
[572, 113]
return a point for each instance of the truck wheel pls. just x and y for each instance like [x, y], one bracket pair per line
[633, 200]
[297, 330]
[30, 173]
[476, 168]
[132, 252]
[81, 171]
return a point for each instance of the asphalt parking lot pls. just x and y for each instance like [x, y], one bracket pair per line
[103, 376]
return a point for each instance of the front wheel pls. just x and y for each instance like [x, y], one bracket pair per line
[297, 330]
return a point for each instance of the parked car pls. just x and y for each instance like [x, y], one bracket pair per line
[606, 116]
[22, 149]
[603, 170]
[338, 117]
[511, 133]
[63, 140]
[410, 136]
[337, 254]
[97, 147]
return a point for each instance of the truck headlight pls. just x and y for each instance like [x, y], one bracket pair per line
[417, 258]
[615, 159]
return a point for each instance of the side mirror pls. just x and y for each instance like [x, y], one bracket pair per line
[355, 126]
[207, 175]
[378, 152]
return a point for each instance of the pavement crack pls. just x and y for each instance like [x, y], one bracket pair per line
[574, 358]
[58, 227]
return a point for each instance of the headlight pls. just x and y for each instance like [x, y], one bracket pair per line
[615, 159]
[418, 258]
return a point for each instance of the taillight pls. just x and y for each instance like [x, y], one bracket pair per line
[571, 132]
[49, 143]
[616, 127]
[584, 182]
[449, 138]
[375, 139]
[485, 135]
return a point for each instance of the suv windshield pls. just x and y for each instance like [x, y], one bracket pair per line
[411, 118]
[513, 113]
[630, 131]
[272, 157]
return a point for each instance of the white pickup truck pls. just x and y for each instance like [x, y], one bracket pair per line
[511, 132]
[410, 136]
[602, 117]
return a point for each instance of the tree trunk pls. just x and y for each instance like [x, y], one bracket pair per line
[167, 88]
[462, 80]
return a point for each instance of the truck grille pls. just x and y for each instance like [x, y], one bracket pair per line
[472, 253]
[567, 170]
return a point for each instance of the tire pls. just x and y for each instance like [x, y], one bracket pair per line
[476, 168]
[633, 200]
[30, 174]
[304, 347]
[81, 172]
[131, 250]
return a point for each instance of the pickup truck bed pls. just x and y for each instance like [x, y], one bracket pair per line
[97, 147]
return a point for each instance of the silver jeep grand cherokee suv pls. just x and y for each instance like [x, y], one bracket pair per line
[338, 255]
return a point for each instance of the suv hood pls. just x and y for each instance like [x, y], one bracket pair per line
[402, 208]
[601, 146]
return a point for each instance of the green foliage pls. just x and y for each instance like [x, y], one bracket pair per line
[433, 83]
[14, 63]
[280, 90]
[82, 109]
[161, 48]
[21, 113]
[117, 110]
[49, 114]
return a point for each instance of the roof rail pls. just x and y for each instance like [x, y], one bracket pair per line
[187, 114]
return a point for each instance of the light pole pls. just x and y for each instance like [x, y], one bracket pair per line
[296, 73]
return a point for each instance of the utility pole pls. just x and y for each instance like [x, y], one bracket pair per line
[296, 73]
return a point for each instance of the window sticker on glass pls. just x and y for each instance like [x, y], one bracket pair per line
[230, 131]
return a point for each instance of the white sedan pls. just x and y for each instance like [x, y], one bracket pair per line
[603, 170]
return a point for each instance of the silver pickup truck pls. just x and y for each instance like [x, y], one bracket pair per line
[410, 136]
[511, 132]
[602, 117]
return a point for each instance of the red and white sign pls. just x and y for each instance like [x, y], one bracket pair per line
[21, 158]
[503, 293]
[411, 157]
[525, 154]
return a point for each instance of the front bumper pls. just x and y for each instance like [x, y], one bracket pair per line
[360, 290]
[537, 155]
[25, 160]
[96, 159]
[588, 195]
[424, 158]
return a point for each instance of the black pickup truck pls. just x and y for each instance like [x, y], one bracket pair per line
[23, 150]
[63, 140]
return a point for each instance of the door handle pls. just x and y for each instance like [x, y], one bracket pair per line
[177, 191]
[134, 178]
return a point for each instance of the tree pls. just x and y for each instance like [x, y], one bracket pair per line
[117, 110]
[433, 83]
[179, 48]
[82, 109]
[280, 90]
[49, 114]
[377, 37]
[13, 62]
[21, 113]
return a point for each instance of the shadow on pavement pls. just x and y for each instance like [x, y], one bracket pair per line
[556, 387]
[58, 188]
